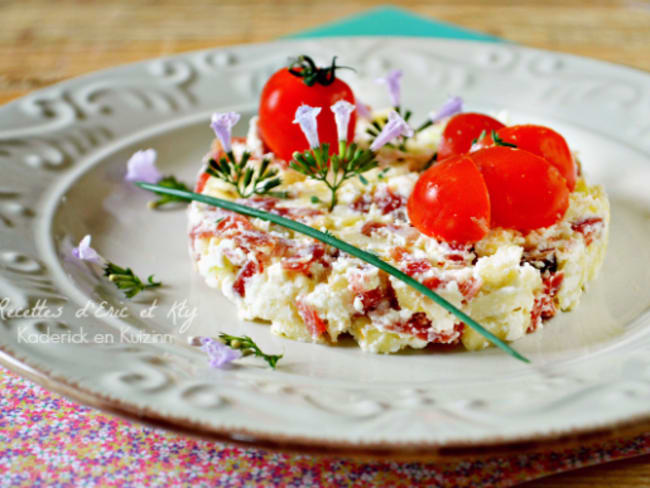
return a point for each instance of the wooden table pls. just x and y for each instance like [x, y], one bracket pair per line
[42, 42]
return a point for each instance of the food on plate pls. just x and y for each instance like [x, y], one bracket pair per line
[496, 219]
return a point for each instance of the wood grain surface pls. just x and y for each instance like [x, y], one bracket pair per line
[45, 41]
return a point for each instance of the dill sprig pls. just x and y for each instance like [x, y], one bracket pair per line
[169, 182]
[378, 124]
[125, 279]
[246, 178]
[333, 170]
[345, 247]
[248, 348]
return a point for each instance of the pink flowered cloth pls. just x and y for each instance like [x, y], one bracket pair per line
[46, 440]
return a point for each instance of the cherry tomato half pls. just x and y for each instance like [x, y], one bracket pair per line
[526, 191]
[450, 202]
[543, 142]
[461, 130]
[283, 93]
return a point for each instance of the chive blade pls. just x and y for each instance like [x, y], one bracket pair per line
[329, 239]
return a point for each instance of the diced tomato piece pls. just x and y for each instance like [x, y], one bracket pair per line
[469, 288]
[249, 269]
[389, 202]
[420, 326]
[302, 261]
[372, 299]
[589, 228]
[312, 320]
[200, 184]
[370, 227]
[433, 283]
[386, 201]
[416, 266]
[269, 204]
[234, 221]
[544, 307]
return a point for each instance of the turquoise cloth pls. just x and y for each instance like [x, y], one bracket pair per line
[391, 21]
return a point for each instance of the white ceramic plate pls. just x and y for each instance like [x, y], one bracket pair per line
[63, 153]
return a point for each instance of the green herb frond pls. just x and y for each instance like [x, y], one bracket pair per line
[245, 177]
[248, 347]
[126, 280]
[333, 170]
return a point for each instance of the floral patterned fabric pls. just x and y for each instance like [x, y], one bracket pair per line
[46, 440]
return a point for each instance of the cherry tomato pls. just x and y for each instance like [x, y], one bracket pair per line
[526, 191]
[450, 202]
[461, 130]
[284, 92]
[543, 142]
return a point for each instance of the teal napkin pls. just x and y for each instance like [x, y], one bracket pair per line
[391, 21]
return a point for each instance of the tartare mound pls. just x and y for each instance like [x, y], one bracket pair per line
[510, 282]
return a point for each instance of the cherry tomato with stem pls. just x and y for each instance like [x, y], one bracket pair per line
[301, 83]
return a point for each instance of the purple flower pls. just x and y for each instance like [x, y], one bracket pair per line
[451, 107]
[142, 167]
[395, 127]
[218, 353]
[362, 110]
[306, 117]
[222, 125]
[86, 253]
[392, 80]
[342, 111]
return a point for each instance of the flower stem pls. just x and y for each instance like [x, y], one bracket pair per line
[424, 125]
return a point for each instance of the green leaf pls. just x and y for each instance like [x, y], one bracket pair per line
[168, 182]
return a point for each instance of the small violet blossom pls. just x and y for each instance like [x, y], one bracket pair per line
[392, 81]
[84, 252]
[219, 355]
[363, 111]
[342, 111]
[451, 107]
[395, 127]
[306, 118]
[222, 124]
[142, 167]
